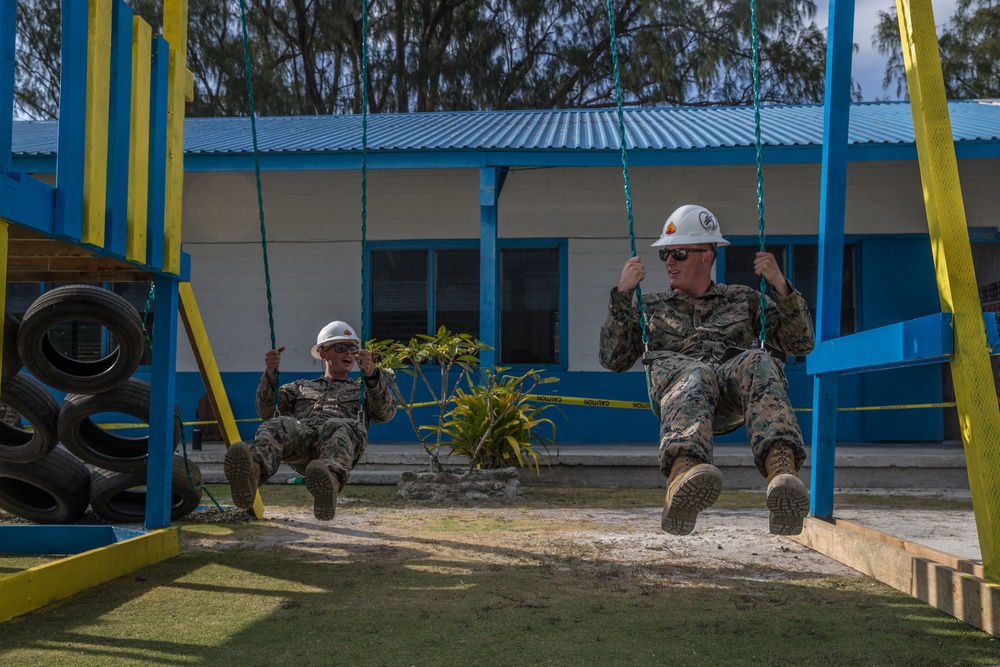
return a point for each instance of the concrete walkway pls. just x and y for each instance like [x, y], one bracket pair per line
[911, 468]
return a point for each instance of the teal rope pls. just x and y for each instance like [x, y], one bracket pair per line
[760, 159]
[187, 469]
[654, 406]
[364, 186]
[145, 316]
[150, 299]
[621, 141]
[260, 195]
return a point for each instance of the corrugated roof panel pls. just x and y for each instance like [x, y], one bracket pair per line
[574, 130]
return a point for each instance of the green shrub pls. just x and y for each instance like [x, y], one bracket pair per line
[496, 424]
[428, 360]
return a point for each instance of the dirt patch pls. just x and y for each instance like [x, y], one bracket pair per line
[724, 540]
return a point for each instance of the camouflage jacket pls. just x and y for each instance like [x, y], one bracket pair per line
[314, 401]
[708, 328]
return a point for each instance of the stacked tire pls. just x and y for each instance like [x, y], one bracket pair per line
[63, 461]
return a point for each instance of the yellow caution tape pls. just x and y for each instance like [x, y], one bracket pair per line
[589, 402]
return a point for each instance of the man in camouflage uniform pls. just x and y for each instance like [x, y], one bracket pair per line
[318, 425]
[708, 373]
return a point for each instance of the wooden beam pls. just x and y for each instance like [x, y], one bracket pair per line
[941, 580]
[38, 586]
[198, 337]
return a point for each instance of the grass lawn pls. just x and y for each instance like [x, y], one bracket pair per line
[403, 583]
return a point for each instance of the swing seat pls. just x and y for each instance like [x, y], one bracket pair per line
[720, 425]
[725, 425]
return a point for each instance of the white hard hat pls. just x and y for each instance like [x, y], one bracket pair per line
[333, 332]
[690, 224]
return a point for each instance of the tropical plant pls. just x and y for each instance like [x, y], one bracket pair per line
[496, 424]
[419, 358]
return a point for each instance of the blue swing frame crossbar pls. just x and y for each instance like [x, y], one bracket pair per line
[924, 340]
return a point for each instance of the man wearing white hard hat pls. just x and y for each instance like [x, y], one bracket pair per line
[318, 427]
[708, 372]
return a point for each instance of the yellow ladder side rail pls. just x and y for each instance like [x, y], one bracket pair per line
[952, 251]
[198, 337]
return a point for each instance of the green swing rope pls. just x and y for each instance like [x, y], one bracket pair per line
[760, 160]
[654, 406]
[150, 299]
[260, 195]
[364, 189]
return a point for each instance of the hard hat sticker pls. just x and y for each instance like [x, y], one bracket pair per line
[707, 221]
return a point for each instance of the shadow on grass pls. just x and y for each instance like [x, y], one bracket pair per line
[379, 598]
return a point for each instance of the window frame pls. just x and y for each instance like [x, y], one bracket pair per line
[790, 243]
[561, 245]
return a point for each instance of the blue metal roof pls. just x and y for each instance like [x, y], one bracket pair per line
[687, 135]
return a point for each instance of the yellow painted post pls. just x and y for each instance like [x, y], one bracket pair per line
[975, 393]
[202, 349]
[95, 176]
[138, 168]
[175, 21]
[38, 586]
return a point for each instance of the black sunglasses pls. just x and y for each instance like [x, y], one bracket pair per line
[342, 347]
[679, 254]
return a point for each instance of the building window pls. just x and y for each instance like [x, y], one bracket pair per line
[417, 290]
[529, 315]
[137, 294]
[800, 264]
[399, 280]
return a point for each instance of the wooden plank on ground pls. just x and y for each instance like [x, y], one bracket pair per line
[38, 586]
[908, 568]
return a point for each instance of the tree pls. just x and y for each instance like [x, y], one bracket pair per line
[970, 50]
[37, 59]
[434, 55]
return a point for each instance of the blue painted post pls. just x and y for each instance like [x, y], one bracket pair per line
[161, 403]
[489, 291]
[120, 107]
[72, 122]
[156, 204]
[836, 110]
[8, 31]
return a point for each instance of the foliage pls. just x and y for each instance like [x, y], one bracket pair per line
[431, 55]
[496, 424]
[416, 358]
[970, 50]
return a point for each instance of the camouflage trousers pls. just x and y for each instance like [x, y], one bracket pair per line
[693, 395]
[339, 443]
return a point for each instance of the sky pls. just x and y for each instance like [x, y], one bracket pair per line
[868, 65]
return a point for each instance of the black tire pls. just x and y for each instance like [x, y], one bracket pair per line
[39, 409]
[121, 496]
[106, 449]
[54, 489]
[81, 303]
[11, 357]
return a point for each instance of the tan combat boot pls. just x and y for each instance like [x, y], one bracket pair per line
[787, 497]
[691, 487]
[323, 486]
[243, 474]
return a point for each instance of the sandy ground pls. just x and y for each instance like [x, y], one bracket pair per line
[722, 540]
